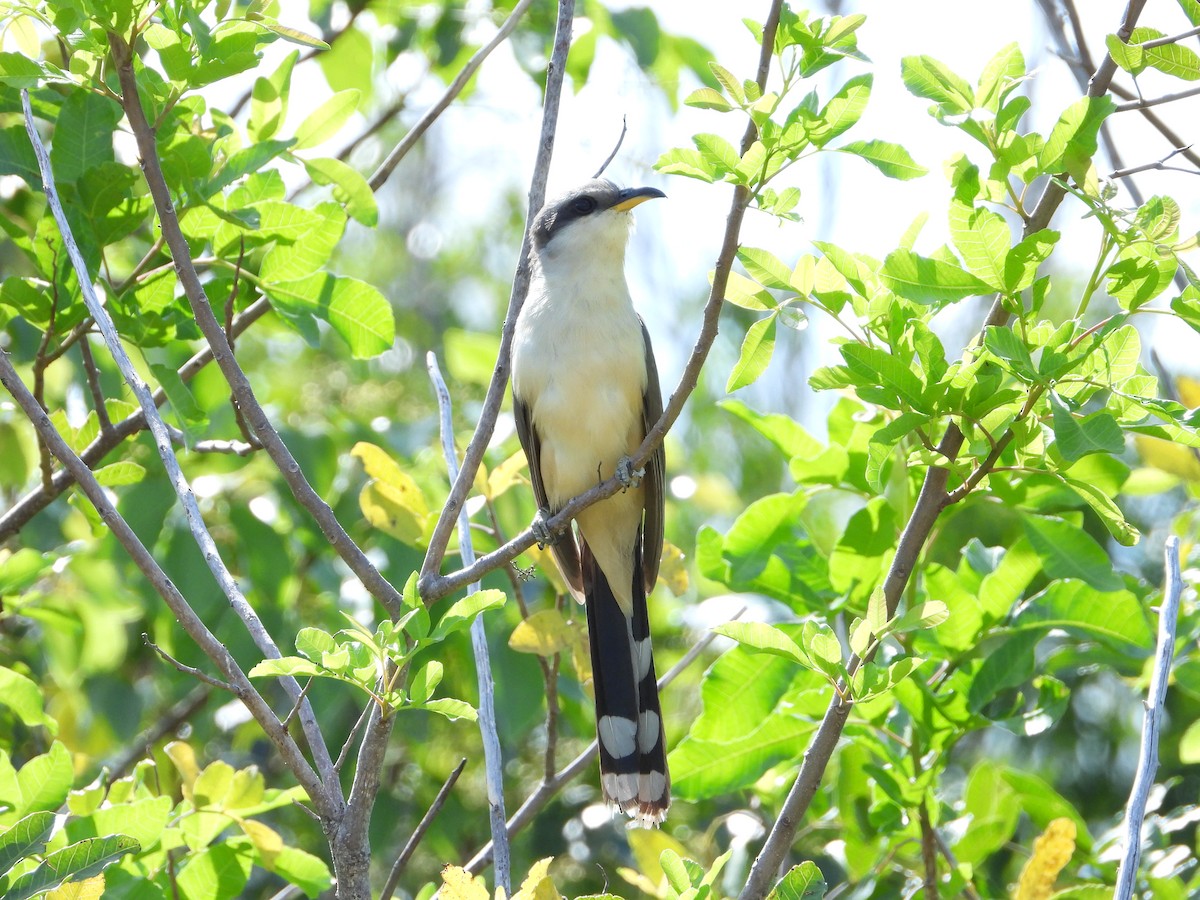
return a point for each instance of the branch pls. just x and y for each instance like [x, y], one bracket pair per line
[1161, 164]
[931, 500]
[551, 786]
[184, 614]
[1157, 101]
[430, 584]
[393, 159]
[492, 755]
[620, 140]
[1143, 779]
[39, 498]
[264, 431]
[190, 671]
[389, 887]
[162, 440]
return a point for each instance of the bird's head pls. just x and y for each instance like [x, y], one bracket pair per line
[591, 220]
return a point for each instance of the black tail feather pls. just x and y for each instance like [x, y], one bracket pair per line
[633, 764]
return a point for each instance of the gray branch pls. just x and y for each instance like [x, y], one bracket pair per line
[492, 755]
[162, 440]
[1143, 779]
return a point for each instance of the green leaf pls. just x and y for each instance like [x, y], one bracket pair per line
[739, 691]
[890, 159]
[1070, 552]
[76, 862]
[327, 119]
[747, 293]
[23, 696]
[763, 637]
[1140, 274]
[269, 101]
[705, 98]
[843, 110]
[285, 666]
[1002, 70]
[450, 708]
[757, 348]
[783, 431]
[24, 839]
[701, 769]
[717, 151]
[802, 882]
[350, 189]
[1116, 616]
[44, 781]
[1004, 343]
[1108, 511]
[729, 81]
[878, 367]
[83, 135]
[1097, 433]
[1072, 141]
[191, 418]
[766, 268]
[1021, 263]
[983, 238]
[687, 162]
[464, 611]
[291, 35]
[355, 309]
[925, 77]
[926, 280]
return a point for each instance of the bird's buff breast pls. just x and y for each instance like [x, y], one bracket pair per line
[584, 387]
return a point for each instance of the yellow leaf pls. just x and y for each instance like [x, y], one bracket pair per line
[1051, 852]
[457, 884]
[544, 633]
[505, 475]
[672, 570]
[647, 846]
[1168, 457]
[537, 884]
[266, 839]
[184, 758]
[543, 562]
[384, 469]
[385, 508]
[1189, 391]
[88, 889]
[641, 882]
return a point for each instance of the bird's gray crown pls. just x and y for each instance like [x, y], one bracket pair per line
[592, 197]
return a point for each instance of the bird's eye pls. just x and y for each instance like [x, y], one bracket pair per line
[584, 205]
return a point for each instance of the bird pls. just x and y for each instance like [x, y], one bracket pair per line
[585, 394]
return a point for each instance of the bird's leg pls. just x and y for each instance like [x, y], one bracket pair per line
[541, 530]
[627, 474]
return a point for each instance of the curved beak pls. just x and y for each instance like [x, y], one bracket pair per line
[631, 197]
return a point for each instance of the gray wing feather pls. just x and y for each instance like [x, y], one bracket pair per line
[652, 529]
[565, 551]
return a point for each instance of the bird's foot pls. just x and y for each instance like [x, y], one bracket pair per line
[541, 531]
[627, 474]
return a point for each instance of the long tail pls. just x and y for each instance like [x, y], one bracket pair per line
[633, 762]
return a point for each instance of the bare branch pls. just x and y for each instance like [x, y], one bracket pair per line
[1143, 779]
[243, 393]
[184, 614]
[1157, 101]
[190, 671]
[393, 159]
[346, 747]
[389, 887]
[492, 754]
[93, 380]
[1171, 39]
[620, 140]
[431, 586]
[162, 440]
[1161, 164]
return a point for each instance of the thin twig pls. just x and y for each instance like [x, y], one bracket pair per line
[430, 583]
[492, 755]
[1170, 39]
[389, 887]
[620, 140]
[1143, 779]
[393, 159]
[1160, 164]
[93, 381]
[243, 392]
[1172, 137]
[551, 786]
[1157, 101]
[183, 612]
[191, 671]
[162, 440]
[350, 738]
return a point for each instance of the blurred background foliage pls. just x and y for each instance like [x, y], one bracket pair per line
[75, 608]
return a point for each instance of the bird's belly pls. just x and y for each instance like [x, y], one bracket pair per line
[589, 415]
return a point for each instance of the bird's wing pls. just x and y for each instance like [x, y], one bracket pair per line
[652, 534]
[565, 551]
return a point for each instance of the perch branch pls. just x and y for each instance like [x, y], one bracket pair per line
[389, 887]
